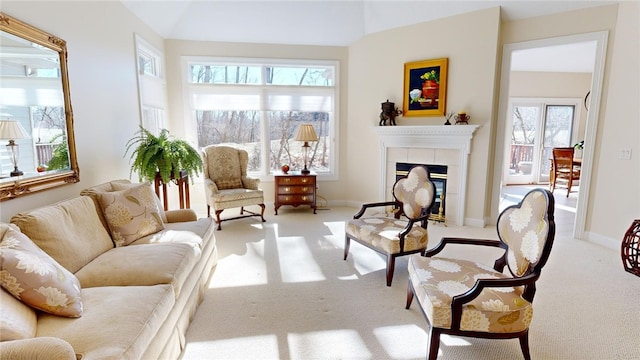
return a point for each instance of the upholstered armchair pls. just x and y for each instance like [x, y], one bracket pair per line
[405, 232]
[226, 183]
[467, 298]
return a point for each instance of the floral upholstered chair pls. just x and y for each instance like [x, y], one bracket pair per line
[396, 235]
[226, 183]
[466, 298]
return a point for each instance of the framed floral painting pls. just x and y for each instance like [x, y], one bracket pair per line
[425, 88]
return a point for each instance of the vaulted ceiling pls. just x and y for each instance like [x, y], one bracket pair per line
[328, 22]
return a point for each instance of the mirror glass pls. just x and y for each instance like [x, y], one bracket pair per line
[34, 93]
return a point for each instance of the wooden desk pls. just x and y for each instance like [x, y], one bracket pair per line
[183, 190]
[295, 189]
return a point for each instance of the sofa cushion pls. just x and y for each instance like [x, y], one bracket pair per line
[148, 264]
[69, 231]
[119, 322]
[131, 213]
[33, 277]
[191, 232]
[17, 320]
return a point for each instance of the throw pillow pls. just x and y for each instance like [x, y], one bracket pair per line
[131, 213]
[117, 186]
[33, 277]
[229, 184]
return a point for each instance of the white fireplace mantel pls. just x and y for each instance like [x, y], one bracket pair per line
[453, 137]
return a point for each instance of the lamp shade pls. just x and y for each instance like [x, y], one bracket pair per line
[11, 130]
[306, 132]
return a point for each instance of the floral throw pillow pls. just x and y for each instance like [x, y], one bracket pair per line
[35, 278]
[131, 213]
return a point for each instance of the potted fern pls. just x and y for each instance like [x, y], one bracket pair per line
[162, 155]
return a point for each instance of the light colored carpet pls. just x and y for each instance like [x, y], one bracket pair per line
[282, 291]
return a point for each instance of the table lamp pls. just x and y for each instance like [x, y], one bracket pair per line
[12, 130]
[306, 133]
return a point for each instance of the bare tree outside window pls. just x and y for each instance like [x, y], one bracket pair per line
[248, 105]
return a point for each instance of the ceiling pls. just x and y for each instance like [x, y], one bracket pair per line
[333, 22]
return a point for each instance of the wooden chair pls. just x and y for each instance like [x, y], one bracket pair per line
[394, 236]
[563, 168]
[226, 183]
[466, 298]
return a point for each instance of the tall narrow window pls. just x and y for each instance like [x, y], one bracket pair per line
[151, 86]
[258, 104]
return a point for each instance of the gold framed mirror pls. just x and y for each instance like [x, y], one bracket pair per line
[37, 142]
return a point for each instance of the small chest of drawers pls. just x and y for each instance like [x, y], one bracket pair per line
[295, 189]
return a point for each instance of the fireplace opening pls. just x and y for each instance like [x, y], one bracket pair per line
[438, 174]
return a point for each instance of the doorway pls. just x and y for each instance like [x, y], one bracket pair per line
[502, 128]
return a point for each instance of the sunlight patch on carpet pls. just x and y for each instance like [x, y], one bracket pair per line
[296, 261]
[449, 340]
[242, 270]
[333, 344]
[253, 347]
[410, 336]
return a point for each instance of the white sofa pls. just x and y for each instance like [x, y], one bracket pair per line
[138, 299]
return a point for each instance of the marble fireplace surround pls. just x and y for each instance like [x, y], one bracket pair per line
[429, 144]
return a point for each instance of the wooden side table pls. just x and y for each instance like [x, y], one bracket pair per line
[183, 189]
[295, 189]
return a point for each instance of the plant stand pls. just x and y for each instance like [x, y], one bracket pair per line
[183, 189]
[630, 249]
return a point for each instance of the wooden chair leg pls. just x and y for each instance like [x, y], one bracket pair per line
[524, 345]
[409, 295]
[347, 242]
[262, 213]
[569, 185]
[218, 219]
[391, 264]
[241, 210]
[434, 343]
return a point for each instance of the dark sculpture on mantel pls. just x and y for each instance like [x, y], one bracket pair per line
[389, 113]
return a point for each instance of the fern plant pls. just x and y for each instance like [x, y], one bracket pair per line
[60, 155]
[162, 154]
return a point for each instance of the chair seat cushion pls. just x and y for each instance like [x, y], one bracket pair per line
[496, 310]
[237, 194]
[383, 234]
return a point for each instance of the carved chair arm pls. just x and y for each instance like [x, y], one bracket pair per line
[459, 300]
[371, 205]
[464, 241]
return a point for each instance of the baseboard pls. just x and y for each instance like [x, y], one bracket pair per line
[476, 223]
[602, 240]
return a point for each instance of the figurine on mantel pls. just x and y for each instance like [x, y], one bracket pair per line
[462, 118]
[448, 116]
[389, 113]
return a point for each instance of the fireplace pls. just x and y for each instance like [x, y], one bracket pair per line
[444, 145]
[438, 175]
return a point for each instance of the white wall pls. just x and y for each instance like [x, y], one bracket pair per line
[376, 73]
[102, 75]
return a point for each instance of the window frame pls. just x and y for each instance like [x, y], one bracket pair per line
[154, 99]
[265, 173]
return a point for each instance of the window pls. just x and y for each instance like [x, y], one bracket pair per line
[538, 125]
[151, 86]
[258, 104]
